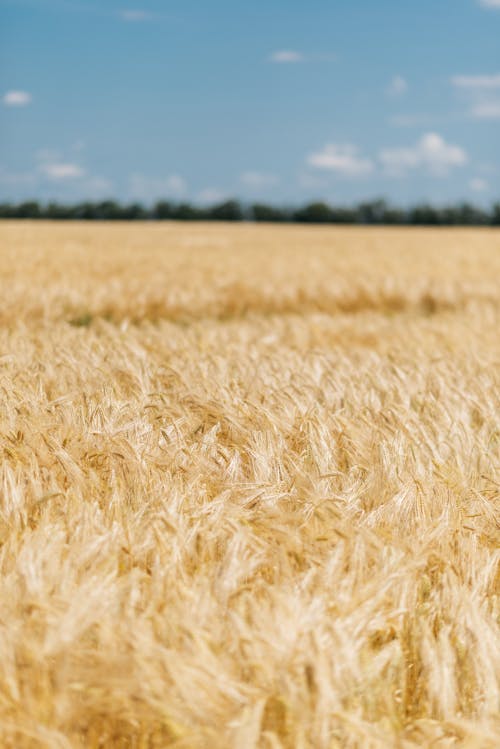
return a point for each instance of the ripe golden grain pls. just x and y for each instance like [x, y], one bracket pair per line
[249, 487]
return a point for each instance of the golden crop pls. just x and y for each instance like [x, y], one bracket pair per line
[249, 487]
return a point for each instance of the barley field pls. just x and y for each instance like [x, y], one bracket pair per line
[250, 487]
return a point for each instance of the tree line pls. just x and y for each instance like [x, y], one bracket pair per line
[371, 212]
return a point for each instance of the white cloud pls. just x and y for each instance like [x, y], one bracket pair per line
[258, 179]
[399, 160]
[486, 110]
[176, 185]
[482, 92]
[211, 195]
[142, 187]
[56, 173]
[62, 171]
[490, 3]
[286, 56]
[312, 182]
[476, 82]
[478, 185]
[398, 86]
[431, 153]
[341, 158]
[135, 15]
[56, 168]
[16, 98]
[98, 187]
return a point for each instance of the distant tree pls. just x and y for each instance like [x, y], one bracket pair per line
[188, 212]
[108, 210]
[449, 216]
[469, 215]
[424, 215]
[314, 213]
[394, 216]
[370, 212]
[162, 210]
[340, 215]
[57, 212]
[230, 210]
[84, 211]
[7, 210]
[29, 209]
[262, 212]
[133, 212]
[373, 212]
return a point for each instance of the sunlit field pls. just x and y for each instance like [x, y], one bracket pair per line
[250, 486]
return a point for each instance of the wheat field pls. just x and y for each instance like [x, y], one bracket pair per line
[250, 486]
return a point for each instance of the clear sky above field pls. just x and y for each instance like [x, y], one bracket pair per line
[276, 100]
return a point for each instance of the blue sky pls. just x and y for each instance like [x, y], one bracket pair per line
[284, 101]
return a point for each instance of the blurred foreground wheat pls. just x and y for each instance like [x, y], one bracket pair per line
[249, 487]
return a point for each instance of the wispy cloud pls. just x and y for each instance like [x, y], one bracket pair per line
[477, 184]
[397, 87]
[311, 182]
[132, 15]
[482, 93]
[96, 187]
[343, 159]
[284, 56]
[211, 195]
[55, 175]
[143, 187]
[56, 168]
[291, 56]
[476, 82]
[490, 3]
[258, 180]
[486, 110]
[60, 171]
[431, 153]
[16, 98]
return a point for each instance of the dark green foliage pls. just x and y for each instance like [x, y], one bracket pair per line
[85, 211]
[188, 212]
[30, 209]
[262, 212]
[56, 212]
[134, 212]
[343, 215]
[314, 213]
[162, 210]
[108, 210]
[374, 212]
[377, 212]
[230, 210]
[469, 215]
[424, 215]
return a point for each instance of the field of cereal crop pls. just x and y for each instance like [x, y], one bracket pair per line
[249, 488]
